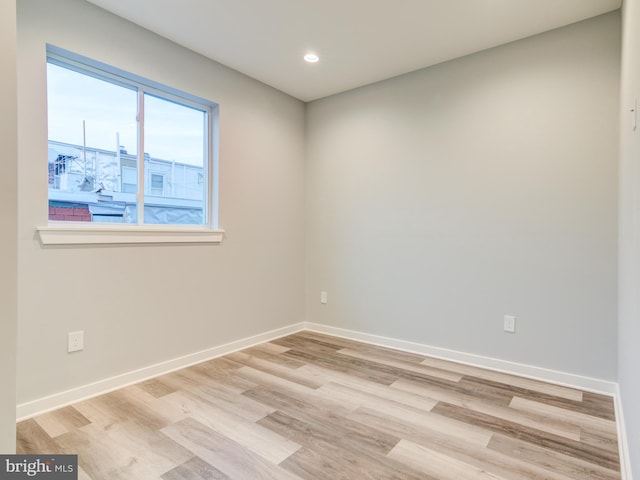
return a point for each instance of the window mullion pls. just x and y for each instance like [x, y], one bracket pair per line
[140, 194]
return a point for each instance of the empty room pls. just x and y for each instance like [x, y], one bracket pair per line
[320, 239]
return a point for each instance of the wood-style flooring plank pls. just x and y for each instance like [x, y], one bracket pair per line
[156, 387]
[271, 355]
[580, 419]
[32, 439]
[82, 475]
[472, 402]
[274, 368]
[438, 465]
[522, 382]
[217, 396]
[249, 434]
[413, 427]
[550, 460]
[60, 421]
[224, 454]
[312, 464]
[194, 469]
[403, 368]
[596, 408]
[459, 444]
[388, 402]
[123, 450]
[297, 342]
[339, 381]
[353, 458]
[538, 437]
[325, 423]
[340, 343]
[355, 368]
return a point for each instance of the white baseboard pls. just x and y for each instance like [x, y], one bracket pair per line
[61, 399]
[623, 445]
[536, 373]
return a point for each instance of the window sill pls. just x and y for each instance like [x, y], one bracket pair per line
[126, 235]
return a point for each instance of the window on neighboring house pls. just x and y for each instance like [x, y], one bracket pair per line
[129, 179]
[120, 145]
[157, 184]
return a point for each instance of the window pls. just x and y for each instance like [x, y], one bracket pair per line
[125, 149]
[129, 179]
[157, 184]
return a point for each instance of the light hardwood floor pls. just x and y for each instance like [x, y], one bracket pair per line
[312, 406]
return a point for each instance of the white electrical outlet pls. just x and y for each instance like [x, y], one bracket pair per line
[75, 341]
[510, 323]
[323, 297]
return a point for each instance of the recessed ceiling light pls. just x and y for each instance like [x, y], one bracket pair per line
[311, 57]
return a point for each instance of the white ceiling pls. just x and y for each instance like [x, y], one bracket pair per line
[358, 41]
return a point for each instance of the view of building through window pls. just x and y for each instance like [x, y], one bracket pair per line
[95, 170]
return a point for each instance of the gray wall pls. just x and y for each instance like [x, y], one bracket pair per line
[143, 305]
[629, 279]
[8, 220]
[441, 200]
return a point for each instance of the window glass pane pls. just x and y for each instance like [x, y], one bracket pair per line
[175, 162]
[92, 137]
[129, 179]
[157, 184]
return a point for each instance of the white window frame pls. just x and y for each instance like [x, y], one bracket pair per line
[77, 233]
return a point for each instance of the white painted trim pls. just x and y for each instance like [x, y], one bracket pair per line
[61, 399]
[623, 445]
[70, 234]
[536, 373]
